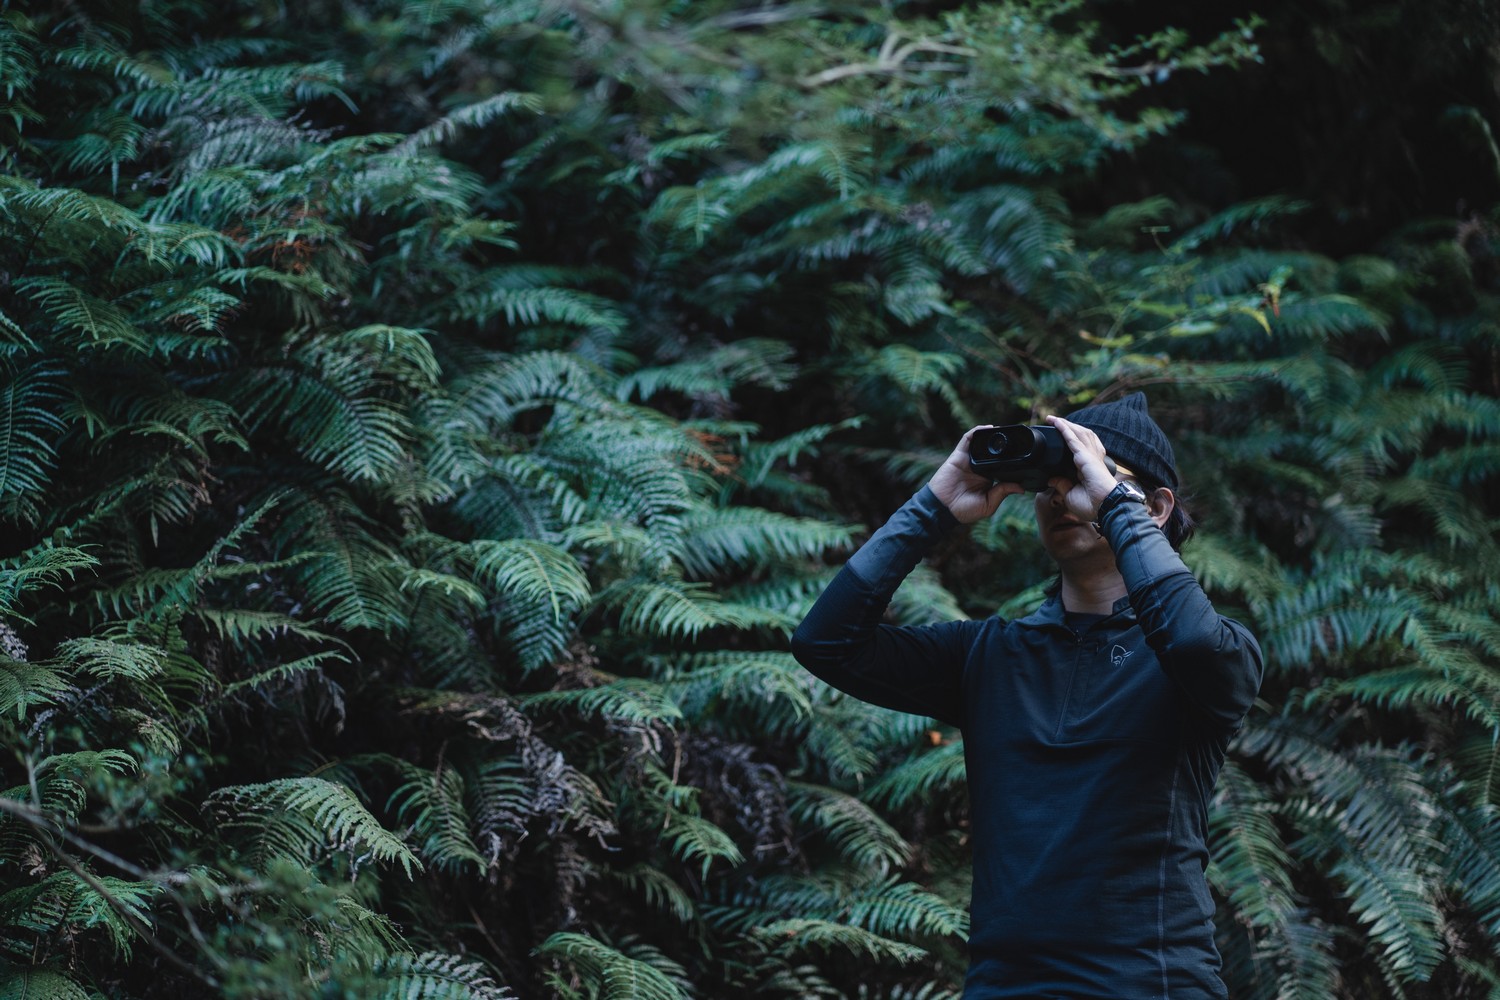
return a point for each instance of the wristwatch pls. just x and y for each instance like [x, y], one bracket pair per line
[1125, 492]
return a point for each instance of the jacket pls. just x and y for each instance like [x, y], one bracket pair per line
[1091, 754]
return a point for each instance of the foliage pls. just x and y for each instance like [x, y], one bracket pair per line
[423, 424]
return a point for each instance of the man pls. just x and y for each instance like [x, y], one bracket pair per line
[1094, 728]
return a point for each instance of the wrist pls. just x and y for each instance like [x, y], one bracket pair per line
[1121, 495]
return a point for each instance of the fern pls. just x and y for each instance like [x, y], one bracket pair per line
[294, 816]
[28, 425]
[802, 933]
[534, 571]
[855, 830]
[921, 777]
[48, 984]
[627, 700]
[436, 976]
[605, 972]
[65, 899]
[725, 539]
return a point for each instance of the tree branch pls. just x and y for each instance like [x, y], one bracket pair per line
[50, 828]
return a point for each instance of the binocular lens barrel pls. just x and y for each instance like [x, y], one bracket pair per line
[1017, 443]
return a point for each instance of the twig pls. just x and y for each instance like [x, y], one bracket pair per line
[50, 828]
[892, 60]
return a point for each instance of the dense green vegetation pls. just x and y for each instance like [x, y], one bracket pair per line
[423, 424]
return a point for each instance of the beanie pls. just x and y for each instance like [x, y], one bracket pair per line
[1132, 438]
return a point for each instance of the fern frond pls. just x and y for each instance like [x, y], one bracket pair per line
[1370, 822]
[854, 829]
[833, 740]
[41, 984]
[433, 975]
[110, 658]
[64, 900]
[745, 537]
[24, 685]
[350, 575]
[717, 372]
[1471, 858]
[334, 408]
[1251, 867]
[609, 974]
[432, 803]
[483, 301]
[312, 664]
[668, 609]
[921, 599]
[769, 683]
[501, 798]
[661, 891]
[535, 572]
[798, 934]
[404, 353]
[1251, 215]
[629, 700]
[102, 323]
[694, 838]
[475, 115]
[29, 429]
[891, 907]
[242, 626]
[922, 777]
[328, 810]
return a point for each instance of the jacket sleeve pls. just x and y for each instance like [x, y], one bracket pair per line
[1214, 660]
[910, 669]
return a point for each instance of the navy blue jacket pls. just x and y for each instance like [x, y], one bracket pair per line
[1091, 756]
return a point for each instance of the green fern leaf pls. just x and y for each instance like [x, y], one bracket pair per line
[536, 572]
[799, 934]
[432, 803]
[437, 976]
[609, 973]
[39, 984]
[855, 830]
[329, 810]
[29, 429]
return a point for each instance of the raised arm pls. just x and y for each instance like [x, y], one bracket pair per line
[1214, 660]
[910, 669]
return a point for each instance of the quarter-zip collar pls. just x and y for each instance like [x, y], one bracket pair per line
[1050, 614]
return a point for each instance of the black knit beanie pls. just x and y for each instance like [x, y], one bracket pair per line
[1132, 438]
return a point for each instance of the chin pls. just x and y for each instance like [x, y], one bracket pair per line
[1073, 547]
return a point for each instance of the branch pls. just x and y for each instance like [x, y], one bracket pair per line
[50, 828]
[892, 60]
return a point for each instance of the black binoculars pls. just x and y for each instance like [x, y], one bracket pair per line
[1026, 454]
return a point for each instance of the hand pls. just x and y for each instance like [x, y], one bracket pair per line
[1083, 494]
[968, 496]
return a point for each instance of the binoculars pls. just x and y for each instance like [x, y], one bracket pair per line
[1026, 454]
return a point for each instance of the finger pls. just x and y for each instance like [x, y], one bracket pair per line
[996, 495]
[1077, 436]
[963, 442]
[1002, 490]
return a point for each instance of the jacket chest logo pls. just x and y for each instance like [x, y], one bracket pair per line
[1117, 656]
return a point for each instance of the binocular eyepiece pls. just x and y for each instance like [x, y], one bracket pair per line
[1026, 454]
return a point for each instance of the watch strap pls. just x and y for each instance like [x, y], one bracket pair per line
[1122, 493]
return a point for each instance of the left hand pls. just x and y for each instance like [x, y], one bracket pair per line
[1083, 494]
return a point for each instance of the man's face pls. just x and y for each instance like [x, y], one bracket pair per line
[1067, 540]
[1070, 542]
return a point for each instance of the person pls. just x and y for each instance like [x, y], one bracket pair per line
[1094, 728]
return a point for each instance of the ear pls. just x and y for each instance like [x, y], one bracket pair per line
[1161, 503]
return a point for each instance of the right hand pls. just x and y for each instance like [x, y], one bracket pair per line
[968, 496]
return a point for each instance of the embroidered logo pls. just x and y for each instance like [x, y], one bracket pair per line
[1117, 655]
